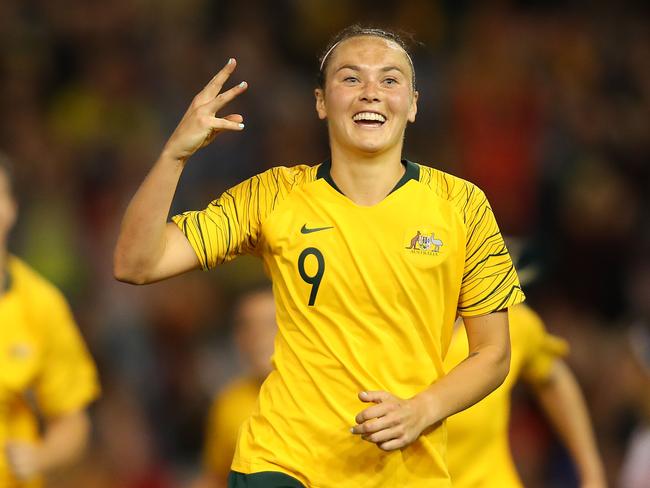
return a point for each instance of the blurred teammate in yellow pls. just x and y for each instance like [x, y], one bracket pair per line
[46, 372]
[478, 449]
[255, 328]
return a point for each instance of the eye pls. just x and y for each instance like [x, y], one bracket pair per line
[350, 79]
[391, 81]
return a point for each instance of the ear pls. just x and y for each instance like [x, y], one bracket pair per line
[320, 103]
[413, 110]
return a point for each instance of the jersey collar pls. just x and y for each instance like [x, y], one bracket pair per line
[412, 173]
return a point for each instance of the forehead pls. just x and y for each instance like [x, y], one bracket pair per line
[369, 50]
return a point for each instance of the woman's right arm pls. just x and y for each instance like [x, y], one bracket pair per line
[149, 248]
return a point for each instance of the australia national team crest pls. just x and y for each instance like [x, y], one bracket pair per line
[423, 242]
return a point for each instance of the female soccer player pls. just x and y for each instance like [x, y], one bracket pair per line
[44, 364]
[365, 311]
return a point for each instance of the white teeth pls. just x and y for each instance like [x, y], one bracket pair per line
[369, 116]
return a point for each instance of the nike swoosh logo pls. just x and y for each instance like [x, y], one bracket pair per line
[305, 230]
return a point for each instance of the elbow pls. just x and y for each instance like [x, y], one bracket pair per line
[84, 428]
[502, 366]
[502, 374]
[501, 360]
[126, 273]
[65, 440]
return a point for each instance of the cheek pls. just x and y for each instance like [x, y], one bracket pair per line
[400, 105]
[337, 99]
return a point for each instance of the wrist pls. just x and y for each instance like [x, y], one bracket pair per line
[168, 156]
[428, 408]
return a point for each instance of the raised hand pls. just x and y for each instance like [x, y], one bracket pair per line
[200, 125]
[392, 423]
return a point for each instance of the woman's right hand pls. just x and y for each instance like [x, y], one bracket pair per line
[200, 125]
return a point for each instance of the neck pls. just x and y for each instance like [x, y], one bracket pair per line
[366, 179]
[4, 258]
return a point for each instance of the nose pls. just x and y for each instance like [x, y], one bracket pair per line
[370, 92]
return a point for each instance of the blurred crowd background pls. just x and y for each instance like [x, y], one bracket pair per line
[544, 104]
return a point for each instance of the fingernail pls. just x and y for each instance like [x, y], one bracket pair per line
[242, 84]
[351, 430]
[241, 126]
[231, 60]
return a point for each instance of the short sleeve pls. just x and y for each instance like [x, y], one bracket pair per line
[231, 225]
[542, 348]
[68, 379]
[490, 281]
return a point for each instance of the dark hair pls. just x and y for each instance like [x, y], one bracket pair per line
[251, 289]
[7, 168]
[357, 30]
[255, 288]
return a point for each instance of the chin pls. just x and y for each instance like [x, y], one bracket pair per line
[371, 150]
[373, 146]
[369, 146]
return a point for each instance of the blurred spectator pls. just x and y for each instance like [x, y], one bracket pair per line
[254, 334]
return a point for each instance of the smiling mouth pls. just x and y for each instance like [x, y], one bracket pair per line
[369, 119]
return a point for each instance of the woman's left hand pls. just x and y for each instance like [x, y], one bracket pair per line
[392, 422]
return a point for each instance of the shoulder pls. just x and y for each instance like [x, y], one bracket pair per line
[49, 310]
[526, 326]
[239, 388]
[464, 195]
[287, 177]
[28, 281]
[265, 190]
[238, 394]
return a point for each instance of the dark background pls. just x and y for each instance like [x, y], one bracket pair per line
[543, 104]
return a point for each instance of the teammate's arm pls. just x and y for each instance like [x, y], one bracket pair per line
[393, 423]
[148, 247]
[63, 443]
[563, 403]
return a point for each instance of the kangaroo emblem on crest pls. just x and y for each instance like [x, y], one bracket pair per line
[425, 243]
[414, 241]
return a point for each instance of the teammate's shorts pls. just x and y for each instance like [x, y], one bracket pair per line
[265, 479]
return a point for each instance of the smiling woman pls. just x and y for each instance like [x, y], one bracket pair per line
[372, 257]
[367, 99]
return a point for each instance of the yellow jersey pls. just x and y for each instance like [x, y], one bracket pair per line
[366, 298]
[45, 368]
[478, 451]
[229, 409]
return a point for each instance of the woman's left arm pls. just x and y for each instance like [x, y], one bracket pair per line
[393, 423]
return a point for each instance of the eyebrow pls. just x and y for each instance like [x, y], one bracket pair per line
[354, 67]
